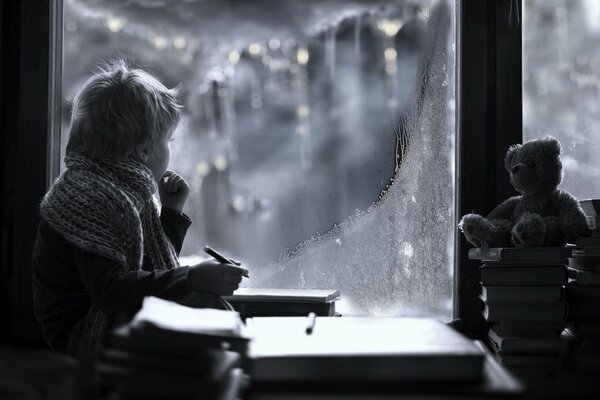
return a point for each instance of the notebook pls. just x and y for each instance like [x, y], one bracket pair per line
[355, 349]
[285, 295]
[268, 302]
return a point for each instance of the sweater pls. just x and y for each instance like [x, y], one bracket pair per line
[67, 280]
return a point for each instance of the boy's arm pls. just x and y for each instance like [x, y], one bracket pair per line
[175, 226]
[114, 291]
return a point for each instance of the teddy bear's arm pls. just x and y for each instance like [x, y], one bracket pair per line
[504, 210]
[570, 216]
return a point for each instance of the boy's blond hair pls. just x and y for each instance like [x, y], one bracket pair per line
[119, 110]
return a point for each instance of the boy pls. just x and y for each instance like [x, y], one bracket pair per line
[102, 244]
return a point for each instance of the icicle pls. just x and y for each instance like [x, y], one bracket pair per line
[210, 111]
[391, 72]
[303, 108]
[330, 50]
[303, 129]
[256, 86]
[562, 31]
[226, 99]
[357, 29]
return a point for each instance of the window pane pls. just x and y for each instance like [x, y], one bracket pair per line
[318, 136]
[561, 85]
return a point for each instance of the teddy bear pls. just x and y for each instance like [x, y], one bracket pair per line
[542, 215]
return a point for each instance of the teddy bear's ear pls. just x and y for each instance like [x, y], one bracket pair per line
[510, 154]
[551, 146]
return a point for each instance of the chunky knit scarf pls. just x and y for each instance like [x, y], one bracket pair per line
[107, 208]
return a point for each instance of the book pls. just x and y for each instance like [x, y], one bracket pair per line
[181, 341]
[550, 262]
[282, 309]
[284, 295]
[584, 277]
[587, 252]
[164, 327]
[529, 329]
[519, 253]
[125, 339]
[359, 349]
[522, 293]
[593, 221]
[525, 311]
[590, 207]
[584, 302]
[264, 302]
[171, 316]
[589, 291]
[581, 309]
[519, 276]
[587, 241]
[197, 366]
[523, 346]
[585, 263]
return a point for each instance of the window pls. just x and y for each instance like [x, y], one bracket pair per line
[318, 137]
[561, 86]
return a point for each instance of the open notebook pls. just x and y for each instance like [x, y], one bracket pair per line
[354, 349]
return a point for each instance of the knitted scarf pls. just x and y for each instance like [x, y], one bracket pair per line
[107, 208]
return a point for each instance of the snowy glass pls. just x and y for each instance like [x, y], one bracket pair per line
[561, 85]
[317, 138]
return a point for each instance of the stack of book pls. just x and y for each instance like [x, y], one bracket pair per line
[583, 297]
[172, 351]
[522, 290]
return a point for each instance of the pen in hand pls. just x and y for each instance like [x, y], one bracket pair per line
[221, 258]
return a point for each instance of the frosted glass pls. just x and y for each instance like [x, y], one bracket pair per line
[561, 85]
[317, 136]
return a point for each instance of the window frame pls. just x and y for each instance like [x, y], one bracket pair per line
[488, 120]
[26, 28]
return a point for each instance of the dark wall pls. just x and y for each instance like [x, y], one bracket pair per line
[23, 137]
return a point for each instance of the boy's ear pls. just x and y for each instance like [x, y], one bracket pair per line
[142, 152]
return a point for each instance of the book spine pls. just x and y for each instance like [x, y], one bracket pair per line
[264, 309]
[505, 277]
[520, 311]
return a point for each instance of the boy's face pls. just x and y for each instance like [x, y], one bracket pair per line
[158, 161]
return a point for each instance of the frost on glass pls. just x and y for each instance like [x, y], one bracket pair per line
[394, 258]
[317, 135]
[561, 85]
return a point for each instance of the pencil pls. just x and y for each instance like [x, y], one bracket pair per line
[312, 319]
[221, 258]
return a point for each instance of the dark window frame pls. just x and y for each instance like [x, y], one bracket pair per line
[489, 119]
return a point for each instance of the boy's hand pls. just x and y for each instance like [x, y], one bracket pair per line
[173, 191]
[214, 277]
